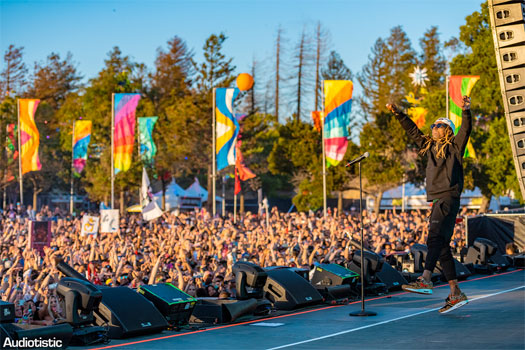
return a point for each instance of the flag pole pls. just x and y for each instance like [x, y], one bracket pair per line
[112, 151]
[140, 160]
[447, 79]
[324, 155]
[235, 198]
[20, 156]
[214, 171]
[71, 193]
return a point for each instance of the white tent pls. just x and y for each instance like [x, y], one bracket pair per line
[196, 191]
[416, 198]
[174, 193]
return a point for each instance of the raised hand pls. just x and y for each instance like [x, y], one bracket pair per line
[466, 103]
[393, 108]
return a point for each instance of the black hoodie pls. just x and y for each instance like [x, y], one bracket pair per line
[444, 175]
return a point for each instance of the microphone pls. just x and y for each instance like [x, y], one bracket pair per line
[358, 159]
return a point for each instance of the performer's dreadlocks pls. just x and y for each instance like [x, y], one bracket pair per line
[443, 142]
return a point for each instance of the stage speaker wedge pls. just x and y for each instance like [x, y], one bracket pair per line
[508, 33]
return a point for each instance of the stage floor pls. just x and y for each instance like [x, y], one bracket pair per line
[493, 319]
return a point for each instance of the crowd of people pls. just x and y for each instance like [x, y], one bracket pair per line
[193, 250]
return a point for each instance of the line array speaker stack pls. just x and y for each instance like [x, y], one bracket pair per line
[508, 32]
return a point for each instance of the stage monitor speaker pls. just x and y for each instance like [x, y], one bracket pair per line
[508, 33]
[127, 313]
[373, 263]
[392, 278]
[7, 312]
[287, 290]
[333, 275]
[215, 311]
[173, 303]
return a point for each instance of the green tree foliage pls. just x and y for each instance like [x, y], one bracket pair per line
[432, 58]
[216, 70]
[172, 78]
[386, 141]
[258, 135]
[13, 77]
[120, 75]
[296, 155]
[335, 68]
[54, 80]
[189, 120]
[385, 80]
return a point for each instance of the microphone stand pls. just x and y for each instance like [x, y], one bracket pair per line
[362, 312]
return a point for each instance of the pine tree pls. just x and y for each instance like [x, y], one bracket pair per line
[215, 71]
[321, 44]
[335, 68]
[13, 77]
[173, 74]
[432, 58]
[54, 80]
[302, 67]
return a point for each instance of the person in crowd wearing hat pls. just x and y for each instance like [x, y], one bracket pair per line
[444, 184]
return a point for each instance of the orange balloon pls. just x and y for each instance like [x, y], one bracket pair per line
[244, 81]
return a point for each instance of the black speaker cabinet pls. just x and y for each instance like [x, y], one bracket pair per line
[127, 313]
[7, 312]
[173, 303]
[392, 278]
[214, 311]
[287, 290]
[333, 275]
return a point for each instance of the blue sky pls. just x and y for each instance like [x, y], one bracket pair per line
[89, 29]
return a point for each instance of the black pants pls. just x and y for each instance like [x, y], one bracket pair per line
[441, 229]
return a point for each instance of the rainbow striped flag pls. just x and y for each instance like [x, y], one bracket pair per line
[459, 86]
[227, 126]
[81, 138]
[338, 104]
[125, 107]
[29, 136]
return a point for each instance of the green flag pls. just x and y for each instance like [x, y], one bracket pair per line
[147, 146]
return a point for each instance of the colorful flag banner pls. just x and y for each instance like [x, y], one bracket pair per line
[338, 104]
[242, 173]
[125, 107]
[459, 86]
[227, 126]
[317, 118]
[89, 225]
[147, 146]
[11, 150]
[29, 136]
[81, 138]
[109, 220]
